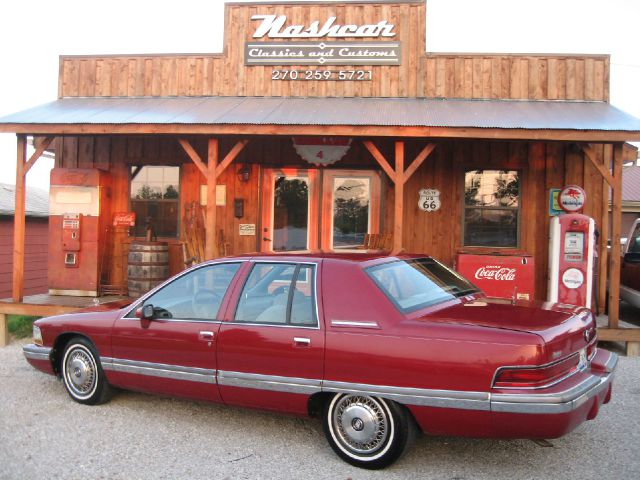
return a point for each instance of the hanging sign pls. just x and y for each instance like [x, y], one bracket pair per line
[429, 200]
[572, 198]
[321, 151]
[124, 219]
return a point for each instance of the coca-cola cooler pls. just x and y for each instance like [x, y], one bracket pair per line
[499, 275]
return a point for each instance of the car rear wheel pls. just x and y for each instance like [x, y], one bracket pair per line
[367, 432]
[82, 374]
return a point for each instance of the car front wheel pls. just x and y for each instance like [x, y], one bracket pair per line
[367, 432]
[82, 374]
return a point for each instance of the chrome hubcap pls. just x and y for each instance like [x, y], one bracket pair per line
[361, 424]
[81, 372]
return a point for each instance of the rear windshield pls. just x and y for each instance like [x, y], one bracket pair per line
[418, 283]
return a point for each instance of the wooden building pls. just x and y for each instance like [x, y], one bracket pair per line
[36, 240]
[323, 80]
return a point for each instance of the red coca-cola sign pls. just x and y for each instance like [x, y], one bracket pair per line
[503, 276]
[495, 272]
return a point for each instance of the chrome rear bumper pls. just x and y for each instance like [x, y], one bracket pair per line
[558, 402]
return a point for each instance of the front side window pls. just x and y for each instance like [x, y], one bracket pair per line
[155, 200]
[196, 295]
[419, 283]
[491, 208]
[278, 294]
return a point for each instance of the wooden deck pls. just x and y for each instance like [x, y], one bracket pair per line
[43, 305]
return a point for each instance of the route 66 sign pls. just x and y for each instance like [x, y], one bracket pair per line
[429, 199]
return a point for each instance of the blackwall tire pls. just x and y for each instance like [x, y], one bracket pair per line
[368, 432]
[82, 374]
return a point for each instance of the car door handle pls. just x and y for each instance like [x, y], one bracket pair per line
[301, 341]
[205, 336]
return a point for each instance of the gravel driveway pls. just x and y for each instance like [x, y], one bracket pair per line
[44, 435]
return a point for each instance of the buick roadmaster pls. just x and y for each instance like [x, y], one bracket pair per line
[379, 347]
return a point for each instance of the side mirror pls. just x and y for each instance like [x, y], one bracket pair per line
[145, 312]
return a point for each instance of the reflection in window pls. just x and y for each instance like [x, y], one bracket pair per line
[155, 199]
[350, 211]
[278, 293]
[196, 295]
[290, 213]
[491, 208]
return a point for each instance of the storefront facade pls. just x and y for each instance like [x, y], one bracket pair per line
[321, 124]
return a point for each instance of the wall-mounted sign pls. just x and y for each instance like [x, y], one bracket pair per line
[572, 198]
[247, 229]
[321, 151]
[429, 200]
[221, 195]
[322, 51]
[273, 26]
[554, 206]
[124, 219]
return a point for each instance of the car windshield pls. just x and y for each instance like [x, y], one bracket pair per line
[418, 283]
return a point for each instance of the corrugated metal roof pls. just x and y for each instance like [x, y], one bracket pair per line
[37, 201]
[631, 184]
[391, 112]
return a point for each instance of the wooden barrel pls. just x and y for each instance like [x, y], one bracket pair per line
[148, 266]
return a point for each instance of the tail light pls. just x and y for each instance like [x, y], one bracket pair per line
[536, 377]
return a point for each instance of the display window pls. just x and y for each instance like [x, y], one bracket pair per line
[491, 208]
[155, 199]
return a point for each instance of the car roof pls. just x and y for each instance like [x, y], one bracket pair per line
[356, 257]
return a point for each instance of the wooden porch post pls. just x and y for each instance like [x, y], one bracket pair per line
[211, 171]
[616, 221]
[398, 211]
[19, 221]
[399, 176]
[211, 244]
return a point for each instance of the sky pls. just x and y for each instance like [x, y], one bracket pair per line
[33, 33]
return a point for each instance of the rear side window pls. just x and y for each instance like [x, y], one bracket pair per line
[196, 295]
[418, 283]
[279, 294]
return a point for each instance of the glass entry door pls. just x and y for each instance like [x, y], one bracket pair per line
[351, 208]
[289, 210]
[298, 214]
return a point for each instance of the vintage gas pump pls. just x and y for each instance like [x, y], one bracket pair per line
[77, 199]
[571, 251]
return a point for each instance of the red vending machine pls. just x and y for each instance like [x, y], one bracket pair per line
[499, 275]
[77, 199]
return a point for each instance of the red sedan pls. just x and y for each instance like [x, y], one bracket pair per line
[377, 346]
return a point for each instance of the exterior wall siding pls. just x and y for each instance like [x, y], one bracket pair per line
[35, 260]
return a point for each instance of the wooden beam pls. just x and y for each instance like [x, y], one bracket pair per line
[36, 155]
[616, 223]
[398, 212]
[19, 222]
[603, 252]
[619, 334]
[231, 156]
[590, 153]
[422, 156]
[380, 159]
[595, 136]
[211, 243]
[193, 155]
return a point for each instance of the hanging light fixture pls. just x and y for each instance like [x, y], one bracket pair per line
[244, 173]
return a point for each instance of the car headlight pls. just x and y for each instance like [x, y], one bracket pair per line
[37, 335]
